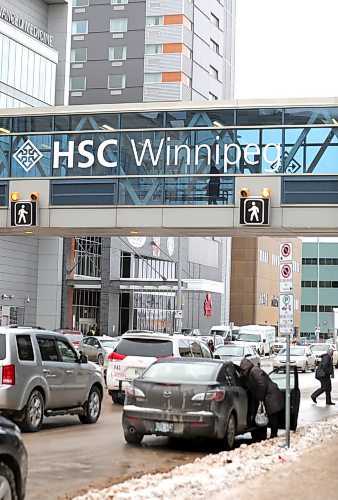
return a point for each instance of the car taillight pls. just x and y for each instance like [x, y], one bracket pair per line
[217, 395]
[8, 374]
[132, 391]
[114, 356]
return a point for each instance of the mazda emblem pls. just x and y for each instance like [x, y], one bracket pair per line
[166, 394]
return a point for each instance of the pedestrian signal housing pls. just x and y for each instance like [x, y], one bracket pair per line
[266, 193]
[244, 192]
[15, 196]
[34, 196]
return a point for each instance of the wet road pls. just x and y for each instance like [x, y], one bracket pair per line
[67, 457]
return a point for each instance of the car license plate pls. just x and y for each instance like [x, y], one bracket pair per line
[164, 426]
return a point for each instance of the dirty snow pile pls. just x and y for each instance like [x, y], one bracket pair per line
[211, 474]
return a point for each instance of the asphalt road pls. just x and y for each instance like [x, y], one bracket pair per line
[67, 457]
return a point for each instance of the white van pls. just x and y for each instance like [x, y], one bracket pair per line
[227, 332]
[260, 337]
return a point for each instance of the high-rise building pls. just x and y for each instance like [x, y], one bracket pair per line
[34, 71]
[142, 50]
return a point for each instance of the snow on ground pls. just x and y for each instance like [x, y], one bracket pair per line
[214, 473]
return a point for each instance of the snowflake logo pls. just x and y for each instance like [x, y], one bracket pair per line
[27, 155]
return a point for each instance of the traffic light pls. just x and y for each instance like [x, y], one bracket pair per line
[34, 196]
[15, 196]
[244, 193]
[266, 193]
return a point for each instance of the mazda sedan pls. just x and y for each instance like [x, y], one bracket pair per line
[300, 357]
[236, 353]
[197, 398]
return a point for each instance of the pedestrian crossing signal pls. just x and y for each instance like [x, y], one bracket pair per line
[23, 213]
[254, 211]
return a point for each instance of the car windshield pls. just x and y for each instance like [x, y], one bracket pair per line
[73, 338]
[319, 347]
[182, 372]
[230, 350]
[294, 351]
[157, 348]
[109, 343]
[248, 337]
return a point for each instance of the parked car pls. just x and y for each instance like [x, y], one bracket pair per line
[13, 461]
[320, 349]
[197, 398]
[43, 374]
[236, 353]
[74, 336]
[279, 343]
[217, 340]
[300, 356]
[190, 331]
[97, 348]
[135, 352]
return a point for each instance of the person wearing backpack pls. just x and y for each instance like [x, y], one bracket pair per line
[324, 372]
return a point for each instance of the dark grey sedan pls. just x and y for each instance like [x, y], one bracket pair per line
[196, 398]
[236, 353]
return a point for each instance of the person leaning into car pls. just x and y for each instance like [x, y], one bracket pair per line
[324, 372]
[263, 389]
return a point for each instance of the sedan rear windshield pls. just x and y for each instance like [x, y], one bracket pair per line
[182, 372]
[248, 337]
[229, 350]
[294, 351]
[145, 347]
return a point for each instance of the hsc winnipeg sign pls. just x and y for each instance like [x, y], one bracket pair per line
[85, 154]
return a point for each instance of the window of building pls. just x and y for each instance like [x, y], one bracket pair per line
[118, 2]
[80, 3]
[119, 25]
[79, 27]
[214, 19]
[77, 83]
[154, 20]
[87, 256]
[214, 46]
[154, 48]
[117, 53]
[263, 299]
[152, 77]
[116, 81]
[212, 97]
[264, 256]
[213, 72]
[78, 55]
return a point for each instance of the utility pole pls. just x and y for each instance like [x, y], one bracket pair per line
[178, 313]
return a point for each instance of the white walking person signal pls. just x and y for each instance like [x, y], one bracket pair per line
[22, 215]
[254, 212]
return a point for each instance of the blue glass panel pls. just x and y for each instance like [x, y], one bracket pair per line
[31, 156]
[199, 191]
[246, 136]
[103, 121]
[304, 116]
[318, 135]
[141, 191]
[142, 153]
[272, 135]
[154, 119]
[293, 134]
[323, 161]
[263, 116]
[32, 124]
[85, 154]
[210, 118]
[4, 155]
[5, 125]
[294, 160]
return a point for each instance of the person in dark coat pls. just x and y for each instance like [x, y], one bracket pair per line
[263, 389]
[324, 373]
[213, 187]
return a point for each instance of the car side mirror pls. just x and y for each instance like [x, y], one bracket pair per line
[217, 356]
[83, 358]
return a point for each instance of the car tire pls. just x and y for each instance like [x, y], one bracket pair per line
[259, 434]
[230, 433]
[92, 407]
[116, 398]
[100, 359]
[7, 482]
[133, 438]
[33, 413]
[306, 368]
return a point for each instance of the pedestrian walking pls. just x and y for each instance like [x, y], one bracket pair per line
[213, 187]
[324, 373]
[211, 345]
[263, 389]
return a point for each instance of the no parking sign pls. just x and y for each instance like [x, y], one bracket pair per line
[285, 252]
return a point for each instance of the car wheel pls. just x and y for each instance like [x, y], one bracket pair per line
[33, 415]
[133, 437]
[7, 483]
[92, 407]
[230, 433]
[305, 368]
[117, 399]
[100, 359]
[259, 434]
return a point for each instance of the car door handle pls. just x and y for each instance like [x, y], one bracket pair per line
[69, 371]
[48, 374]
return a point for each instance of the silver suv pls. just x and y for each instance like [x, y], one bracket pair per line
[42, 374]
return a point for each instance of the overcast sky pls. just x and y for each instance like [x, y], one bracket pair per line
[286, 48]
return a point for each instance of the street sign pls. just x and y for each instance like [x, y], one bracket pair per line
[285, 278]
[254, 211]
[285, 252]
[286, 314]
[23, 213]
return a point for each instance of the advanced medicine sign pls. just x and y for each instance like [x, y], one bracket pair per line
[26, 26]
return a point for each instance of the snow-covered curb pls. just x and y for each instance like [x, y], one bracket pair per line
[211, 474]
